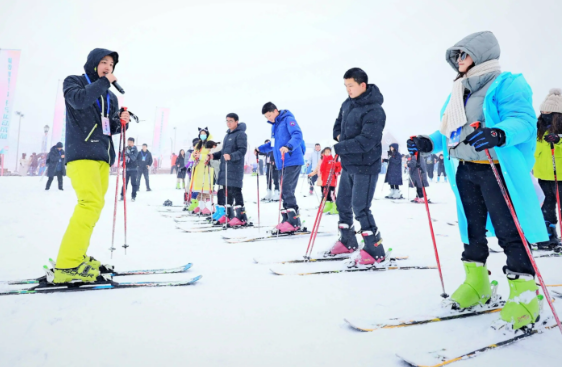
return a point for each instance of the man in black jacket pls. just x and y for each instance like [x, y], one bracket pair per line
[358, 130]
[92, 116]
[55, 162]
[131, 154]
[144, 161]
[231, 157]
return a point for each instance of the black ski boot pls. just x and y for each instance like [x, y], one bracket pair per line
[240, 218]
[293, 222]
[346, 244]
[372, 249]
[553, 242]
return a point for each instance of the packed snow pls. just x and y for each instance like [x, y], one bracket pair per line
[239, 313]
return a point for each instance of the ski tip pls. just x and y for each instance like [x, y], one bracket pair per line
[275, 272]
[197, 278]
[354, 327]
[187, 267]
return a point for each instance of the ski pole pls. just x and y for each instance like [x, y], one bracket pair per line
[444, 294]
[123, 133]
[281, 191]
[556, 185]
[112, 248]
[258, 181]
[226, 193]
[211, 187]
[505, 194]
[316, 225]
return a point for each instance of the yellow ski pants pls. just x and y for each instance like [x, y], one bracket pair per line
[89, 180]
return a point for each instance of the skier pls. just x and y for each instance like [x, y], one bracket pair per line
[315, 158]
[180, 167]
[131, 153]
[358, 130]
[272, 176]
[288, 148]
[174, 167]
[91, 118]
[231, 174]
[430, 160]
[441, 168]
[55, 162]
[144, 160]
[394, 172]
[549, 126]
[414, 172]
[200, 185]
[323, 172]
[502, 102]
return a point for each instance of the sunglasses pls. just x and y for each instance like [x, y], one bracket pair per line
[461, 55]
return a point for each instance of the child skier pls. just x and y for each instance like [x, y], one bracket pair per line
[288, 148]
[323, 170]
[549, 126]
[200, 185]
[502, 102]
[441, 168]
[358, 130]
[394, 172]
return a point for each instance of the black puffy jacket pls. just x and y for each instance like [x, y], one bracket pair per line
[53, 160]
[235, 143]
[360, 124]
[84, 134]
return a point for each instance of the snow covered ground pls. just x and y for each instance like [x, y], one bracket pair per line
[239, 314]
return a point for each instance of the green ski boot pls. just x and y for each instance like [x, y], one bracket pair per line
[194, 204]
[84, 272]
[328, 207]
[476, 289]
[523, 306]
[334, 210]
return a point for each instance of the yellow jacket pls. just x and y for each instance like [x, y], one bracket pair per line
[543, 169]
[201, 173]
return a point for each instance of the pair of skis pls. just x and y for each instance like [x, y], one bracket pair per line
[42, 286]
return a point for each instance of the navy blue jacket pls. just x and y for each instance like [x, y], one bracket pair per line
[235, 143]
[394, 171]
[360, 124]
[53, 160]
[285, 131]
[84, 134]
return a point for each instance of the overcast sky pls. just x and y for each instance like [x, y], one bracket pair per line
[206, 59]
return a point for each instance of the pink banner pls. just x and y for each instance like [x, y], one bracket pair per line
[59, 122]
[9, 65]
[160, 130]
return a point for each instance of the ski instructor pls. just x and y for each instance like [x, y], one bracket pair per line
[91, 120]
[358, 130]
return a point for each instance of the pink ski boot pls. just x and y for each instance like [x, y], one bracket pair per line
[347, 243]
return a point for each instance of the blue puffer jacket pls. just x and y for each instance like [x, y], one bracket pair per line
[286, 133]
[508, 106]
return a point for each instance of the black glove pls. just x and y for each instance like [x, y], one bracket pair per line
[485, 138]
[417, 144]
[552, 138]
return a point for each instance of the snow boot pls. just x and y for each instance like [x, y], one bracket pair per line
[194, 204]
[523, 306]
[178, 186]
[219, 212]
[293, 222]
[397, 194]
[373, 250]
[240, 218]
[268, 196]
[83, 273]
[334, 210]
[347, 243]
[553, 241]
[328, 207]
[275, 196]
[476, 288]
[391, 195]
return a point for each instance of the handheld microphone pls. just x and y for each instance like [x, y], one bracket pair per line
[118, 87]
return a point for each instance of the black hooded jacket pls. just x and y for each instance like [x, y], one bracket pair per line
[52, 161]
[394, 171]
[84, 134]
[360, 124]
[235, 143]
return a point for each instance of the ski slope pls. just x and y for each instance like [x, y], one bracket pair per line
[239, 313]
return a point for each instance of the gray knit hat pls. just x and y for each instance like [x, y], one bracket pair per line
[553, 102]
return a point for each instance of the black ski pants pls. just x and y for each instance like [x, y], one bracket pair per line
[132, 175]
[331, 191]
[234, 196]
[290, 180]
[143, 172]
[549, 205]
[430, 170]
[312, 181]
[272, 177]
[59, 179]
[355, 195]
[480, 195]
[174, 168]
